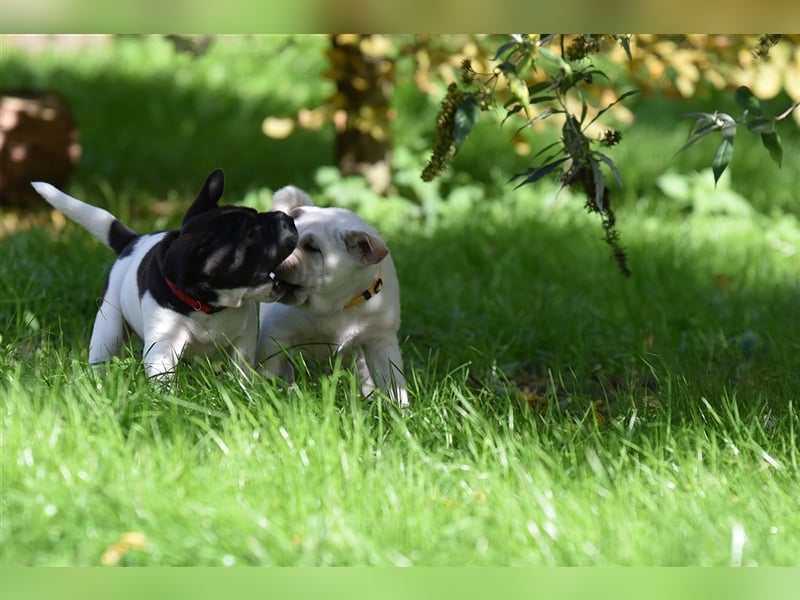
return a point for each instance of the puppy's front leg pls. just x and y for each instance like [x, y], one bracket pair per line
[161, 356]
[381, 358]
[108, 333]
[273, 362]
[243, 351]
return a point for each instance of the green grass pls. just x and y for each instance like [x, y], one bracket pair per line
[560, 414]
[695, 376]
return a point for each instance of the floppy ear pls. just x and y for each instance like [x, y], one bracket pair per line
[289, 197]
[365, 247]
[209, 195]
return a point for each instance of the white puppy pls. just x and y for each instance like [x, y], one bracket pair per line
[342, 296]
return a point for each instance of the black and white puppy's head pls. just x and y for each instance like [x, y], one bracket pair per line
[226, 255]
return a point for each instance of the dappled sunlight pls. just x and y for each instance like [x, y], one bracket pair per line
[548, 394]
[177, 116]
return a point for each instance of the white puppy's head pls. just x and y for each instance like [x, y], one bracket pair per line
[289, 197]
[337, 255]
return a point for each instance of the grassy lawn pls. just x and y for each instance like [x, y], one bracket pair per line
[560, 415]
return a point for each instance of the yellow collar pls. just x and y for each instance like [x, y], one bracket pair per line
[376, 287]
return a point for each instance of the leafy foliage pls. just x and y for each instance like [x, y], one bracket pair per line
[726, 125]
[516, 85]
[580, 165]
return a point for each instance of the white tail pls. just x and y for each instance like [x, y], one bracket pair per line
[96, 221]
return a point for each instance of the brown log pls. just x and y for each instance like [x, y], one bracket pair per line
[38, 142]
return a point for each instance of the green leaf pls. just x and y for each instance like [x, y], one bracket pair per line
[537, 99]
[466, 116]
[556, 60]
[536, 173]
[787, 112]
[520, 91]
[511, 111]
[610, 164]
[507, 68]
[625, 42]
[728, 131]
[547, 148]
[772, 142]
[504, 48]
[722, 158]
[708, 122]
[599, 184]
[548, 112]
[584, 108]
[589, 75]
[761, 125]
[746, 99]
[701, 116]
[576, 144]
[697, 134]
[617, 101]
[540, 87]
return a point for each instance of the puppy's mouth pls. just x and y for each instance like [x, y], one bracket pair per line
[270, 290]
[290, 293]
[277, 290]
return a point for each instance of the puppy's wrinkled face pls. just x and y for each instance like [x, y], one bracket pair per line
[334, 247]
[233, 252]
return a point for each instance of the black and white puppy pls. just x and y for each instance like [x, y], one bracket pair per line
[190, 290]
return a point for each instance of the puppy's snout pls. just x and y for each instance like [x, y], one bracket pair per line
[282, 229]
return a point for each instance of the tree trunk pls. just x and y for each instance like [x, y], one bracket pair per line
[364, 75]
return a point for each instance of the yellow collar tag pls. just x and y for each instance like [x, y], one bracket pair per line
[375, 288]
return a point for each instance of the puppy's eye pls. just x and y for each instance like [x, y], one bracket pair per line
[309, 245]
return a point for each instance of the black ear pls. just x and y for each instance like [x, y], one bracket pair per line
[209, 196]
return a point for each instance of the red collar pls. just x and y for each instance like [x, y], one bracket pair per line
[189, 301]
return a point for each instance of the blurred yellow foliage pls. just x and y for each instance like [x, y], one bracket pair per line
[130, 540]
[680, 65]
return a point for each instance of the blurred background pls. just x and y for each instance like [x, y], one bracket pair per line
[140, 120]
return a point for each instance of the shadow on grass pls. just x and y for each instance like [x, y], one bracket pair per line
[155, 134]
[526, 303]
[534, 301]
[527, 295]
[650, 148]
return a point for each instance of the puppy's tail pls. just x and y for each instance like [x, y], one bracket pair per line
[97, 221]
